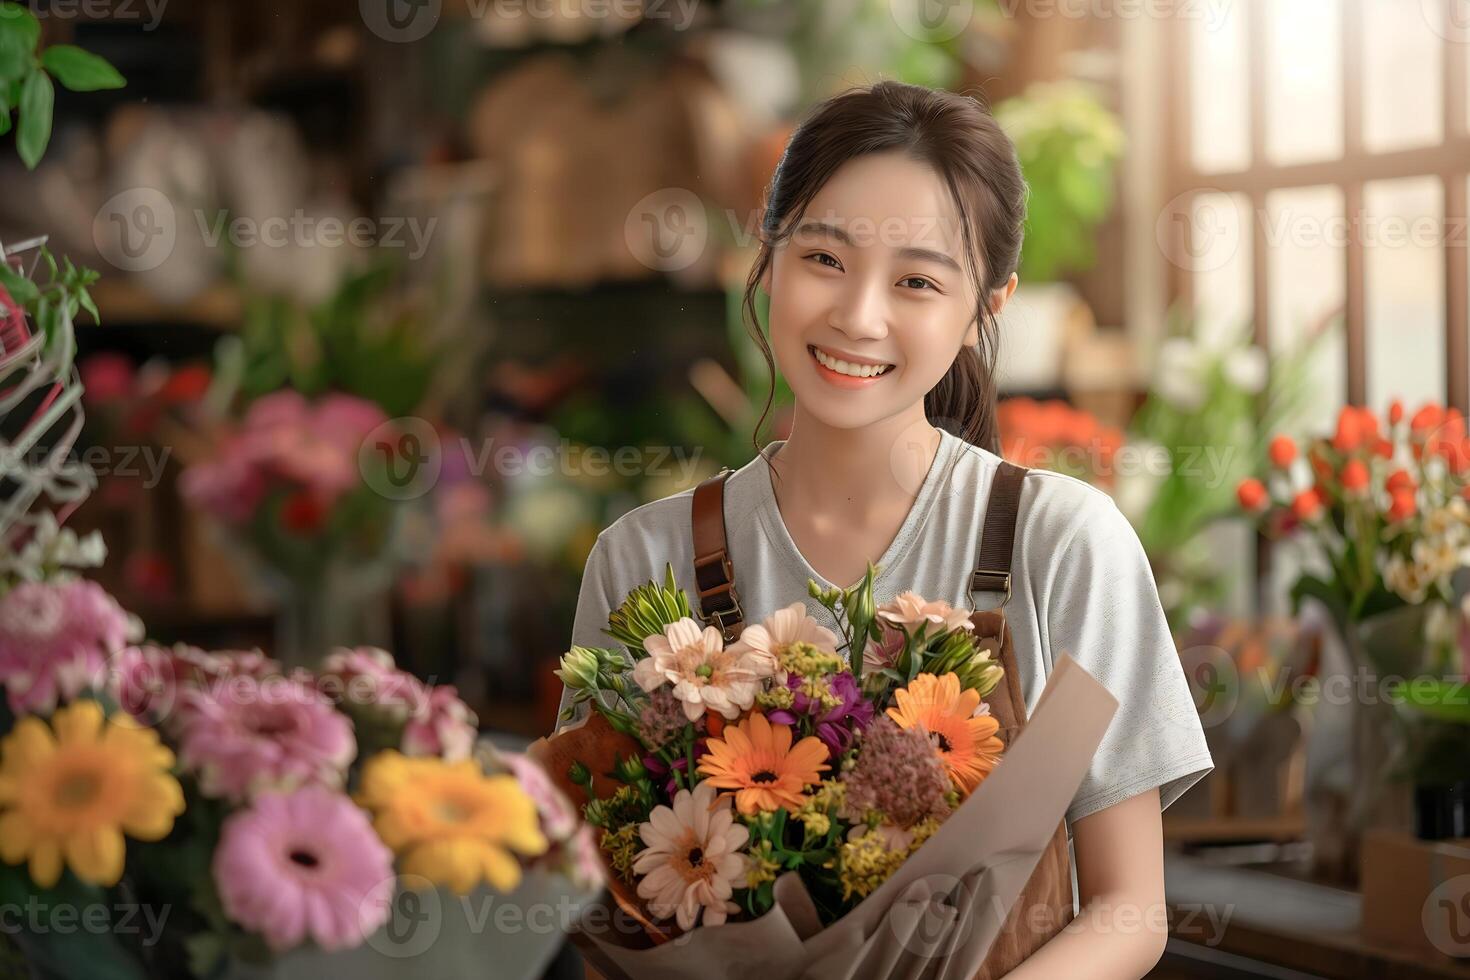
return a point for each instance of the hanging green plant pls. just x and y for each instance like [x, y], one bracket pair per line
[26, 79]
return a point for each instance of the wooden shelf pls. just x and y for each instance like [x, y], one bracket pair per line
[122, 302]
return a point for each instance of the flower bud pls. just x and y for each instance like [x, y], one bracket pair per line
[579, 669]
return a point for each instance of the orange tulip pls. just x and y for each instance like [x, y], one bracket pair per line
[1307, 506]
[1282, 451]
[1252, 495]
[1404, 506]
[1355, 477]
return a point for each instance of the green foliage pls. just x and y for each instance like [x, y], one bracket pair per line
[361, 340]
[646, 611]
[53, 305]
[26, 76]
[1068, 143]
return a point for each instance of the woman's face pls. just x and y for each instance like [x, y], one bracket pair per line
[874, 277]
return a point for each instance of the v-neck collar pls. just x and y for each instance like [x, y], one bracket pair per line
[775, 526]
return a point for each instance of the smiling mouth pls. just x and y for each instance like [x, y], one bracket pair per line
[847, 369]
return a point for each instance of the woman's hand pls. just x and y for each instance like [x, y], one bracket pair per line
[1123, 925]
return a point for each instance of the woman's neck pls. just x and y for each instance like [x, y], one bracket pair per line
[850, 474]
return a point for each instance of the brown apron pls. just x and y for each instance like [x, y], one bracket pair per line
[1045, 905]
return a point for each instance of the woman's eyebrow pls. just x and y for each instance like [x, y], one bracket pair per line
[911, 252]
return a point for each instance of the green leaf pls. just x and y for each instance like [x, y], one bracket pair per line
[1438, 699]
[37, 98]
[79, 70]
[19, 32]
[21, 289]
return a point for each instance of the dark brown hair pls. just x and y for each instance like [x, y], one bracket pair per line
[957, 136]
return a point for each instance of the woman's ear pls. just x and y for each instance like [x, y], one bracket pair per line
[1000, 297]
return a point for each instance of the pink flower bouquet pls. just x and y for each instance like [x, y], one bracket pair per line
[287, 816]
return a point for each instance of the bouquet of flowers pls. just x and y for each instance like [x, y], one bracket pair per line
[776, 781]
[279, 815]
[1384, 504]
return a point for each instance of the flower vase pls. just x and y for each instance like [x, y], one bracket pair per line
[1358, 783]
[344, 606]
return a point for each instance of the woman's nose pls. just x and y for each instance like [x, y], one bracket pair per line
[861, 310]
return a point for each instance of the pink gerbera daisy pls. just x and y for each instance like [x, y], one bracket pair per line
[55, 638]
[304, 865]
[694, 859]
[704, 673]
[909, 611]
[255, 734]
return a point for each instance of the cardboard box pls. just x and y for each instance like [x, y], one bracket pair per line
[1416, 894]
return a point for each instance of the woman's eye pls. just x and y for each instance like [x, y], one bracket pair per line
[923, 283]
[823, 255]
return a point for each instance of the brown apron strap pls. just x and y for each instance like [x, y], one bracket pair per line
[714, 573]
[998, 540]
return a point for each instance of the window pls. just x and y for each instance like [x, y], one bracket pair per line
[1327, 141]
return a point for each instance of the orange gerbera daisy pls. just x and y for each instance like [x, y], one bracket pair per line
[757, 760]
[965, 741]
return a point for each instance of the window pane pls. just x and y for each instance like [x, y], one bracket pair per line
[1403, 50]
[1304, 80]
[1220, 255]
[1307, 236]
[1219, 86]
[1403, 235]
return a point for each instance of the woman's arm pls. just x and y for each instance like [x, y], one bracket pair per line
[1123, 925]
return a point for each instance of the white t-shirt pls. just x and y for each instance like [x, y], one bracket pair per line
[1081, 584]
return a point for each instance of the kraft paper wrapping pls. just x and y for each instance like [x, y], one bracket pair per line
[938, 915]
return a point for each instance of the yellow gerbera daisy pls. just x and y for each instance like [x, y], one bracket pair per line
[450, 822]
[757, 760]
[70, 790]
[965, 741]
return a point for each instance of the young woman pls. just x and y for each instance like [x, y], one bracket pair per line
[889, 243]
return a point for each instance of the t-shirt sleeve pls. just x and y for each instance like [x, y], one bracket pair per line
[595, 602]
[1103, 609]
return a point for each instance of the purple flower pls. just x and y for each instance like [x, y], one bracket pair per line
[658, 769]
[836, 726]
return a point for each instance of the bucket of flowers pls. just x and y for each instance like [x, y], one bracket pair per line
[772, 807]
[1381, 507]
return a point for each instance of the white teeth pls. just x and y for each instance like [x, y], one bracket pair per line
[843, 367]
